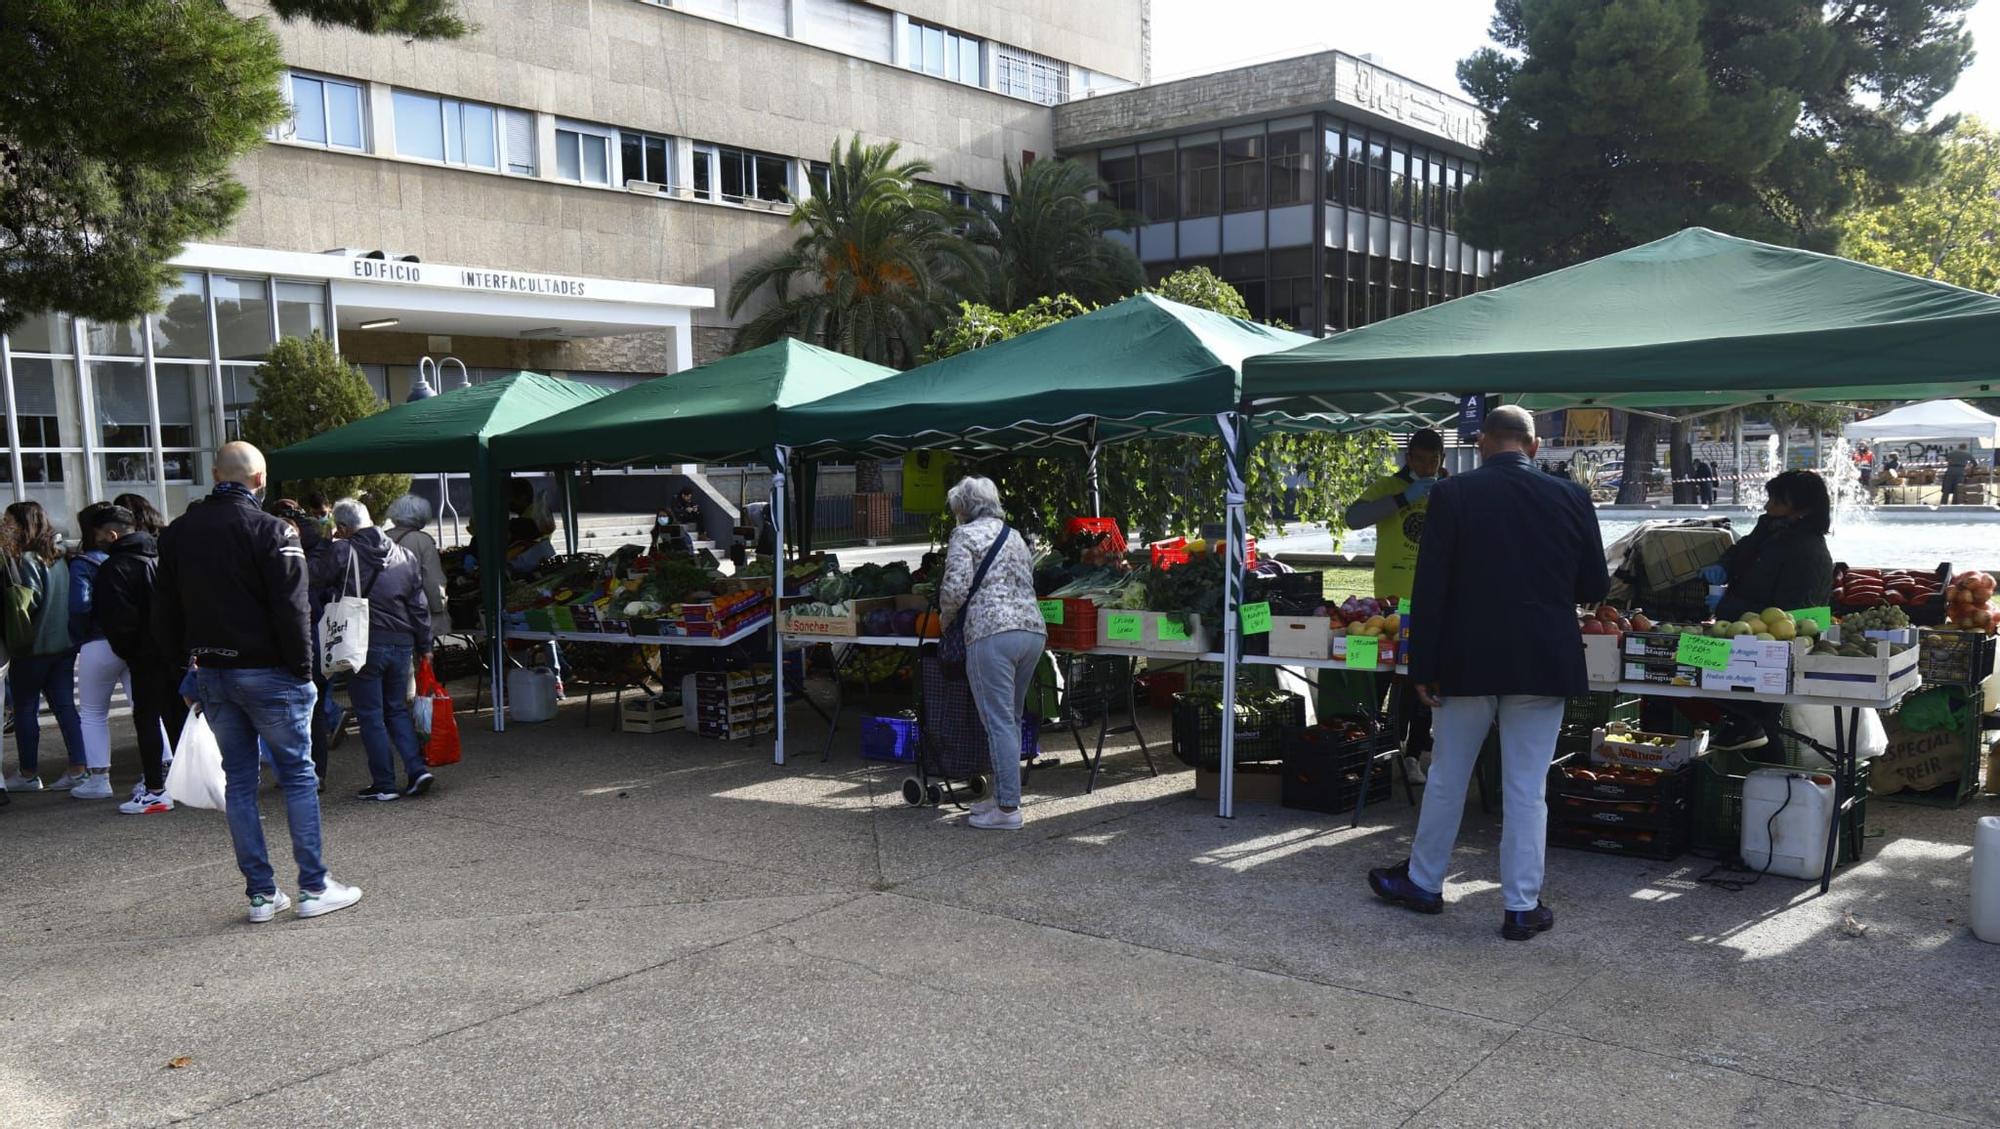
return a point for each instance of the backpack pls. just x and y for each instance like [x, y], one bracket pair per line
[17, 613]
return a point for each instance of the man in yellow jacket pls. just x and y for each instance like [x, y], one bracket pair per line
[1395, 506]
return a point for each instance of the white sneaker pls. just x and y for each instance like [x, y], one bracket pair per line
[995, 820]
[146, 803]
[69, 780]
[1413, 770]
[987, 804]
[18, 783]
[264, 907]
[336, 896]
[96, 787]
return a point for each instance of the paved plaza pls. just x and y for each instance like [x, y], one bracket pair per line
[583, 927]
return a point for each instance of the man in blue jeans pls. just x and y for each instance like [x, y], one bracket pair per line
[360, 560]
[231, 596]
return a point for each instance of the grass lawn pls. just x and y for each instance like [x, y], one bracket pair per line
[1342, 581]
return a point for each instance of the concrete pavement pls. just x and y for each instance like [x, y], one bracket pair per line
[584, 927]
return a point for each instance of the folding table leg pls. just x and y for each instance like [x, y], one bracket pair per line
[1846, 726]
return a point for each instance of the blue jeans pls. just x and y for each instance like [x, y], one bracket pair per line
[242, 706]
[386, 731]
[1001, 668]
[1528, 729]
[31, 679]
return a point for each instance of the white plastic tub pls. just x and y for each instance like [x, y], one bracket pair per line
[1785, 818]
[531, 694]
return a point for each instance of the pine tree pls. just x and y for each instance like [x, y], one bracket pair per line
[118, 125]
[303, 389]
[1617, 122]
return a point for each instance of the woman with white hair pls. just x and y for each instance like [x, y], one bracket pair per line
[989, 587]
[407, 517]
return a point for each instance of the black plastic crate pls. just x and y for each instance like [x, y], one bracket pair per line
[1575, 777]
[1324, 768]
[1260, 730]
[1955, 658]
[1092, 687]
[1289, 593]
[1668, 844]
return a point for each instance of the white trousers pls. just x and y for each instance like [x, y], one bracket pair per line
[98, 671]
[1528, 730]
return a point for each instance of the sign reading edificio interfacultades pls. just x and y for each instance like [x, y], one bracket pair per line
[389, 270]
[1366, 86]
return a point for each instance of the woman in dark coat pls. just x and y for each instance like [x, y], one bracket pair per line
[1783, 564]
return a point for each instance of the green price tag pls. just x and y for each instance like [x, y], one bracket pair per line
[1171, 630]
[1123, 626]
[1257, 618]
[1703, 651]
[1052, 611]
[1821, 616]
[1364, 651]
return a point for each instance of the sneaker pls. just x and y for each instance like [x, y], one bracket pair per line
[96, 787]
[1733, 736]
[146, 803]
[1393, 884]
[17, 783]
[69, 780]
[995, 819]
[987, 804]
[420, 785]
[379, 795]
[1413, 771]
[336, 896]
[138, 787]
[264, 907]
[1523, 924]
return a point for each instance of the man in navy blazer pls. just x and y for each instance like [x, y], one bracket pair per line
[1508, 553]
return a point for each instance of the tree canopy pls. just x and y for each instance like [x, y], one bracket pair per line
[1049, 237]
[1947, 228]
[118, 125]
[303, 389]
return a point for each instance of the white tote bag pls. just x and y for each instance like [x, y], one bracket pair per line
[343, 627]
[196, 779]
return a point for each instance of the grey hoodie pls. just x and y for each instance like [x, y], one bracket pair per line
[389, 577]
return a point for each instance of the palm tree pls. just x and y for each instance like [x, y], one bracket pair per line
[876, 267]
[1049, 238]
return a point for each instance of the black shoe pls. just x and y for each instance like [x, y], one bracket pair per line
[1522, 925]
[1733, 736]
[379, 795]
[1392, 884]
[420, 785]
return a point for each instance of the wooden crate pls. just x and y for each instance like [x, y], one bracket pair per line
[648, 715]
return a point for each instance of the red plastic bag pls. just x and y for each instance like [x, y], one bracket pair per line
[442, 747]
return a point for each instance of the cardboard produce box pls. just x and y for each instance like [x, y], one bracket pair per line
[1600, 659]
[1255, 783]
[1643, 750]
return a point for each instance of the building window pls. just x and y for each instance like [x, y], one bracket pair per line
[817, 175]
[1290, 297]
[1378, 176]
[1024, 74]
[326, 112]
[736, 175]
[1332, 179]
[517, 136]
[1291, 164]
[1399, 180]
[1246, 273]
[1356, 166]
[583, 154]
[1201, 180]
[242, 317]
[1121, 178]
[1452, 174]
[1434, 192]
[180, 329]
[446, 129]
[302, 310]
[1242, 174]
[947, 54]
[1156, 200]
[645, 157]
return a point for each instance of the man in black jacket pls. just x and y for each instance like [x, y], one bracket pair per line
[1508, 553]
[231, 594]
[123, 595]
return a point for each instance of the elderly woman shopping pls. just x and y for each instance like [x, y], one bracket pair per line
[989, 587]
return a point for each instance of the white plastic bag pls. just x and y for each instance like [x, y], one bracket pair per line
[1821, 723]
[343, 628]
[420, 717]
[196, 779]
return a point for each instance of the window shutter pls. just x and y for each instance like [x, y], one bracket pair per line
[520, 142]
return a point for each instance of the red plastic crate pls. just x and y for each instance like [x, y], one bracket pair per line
[1161, 686]
[1115, 542]
[1078, 630]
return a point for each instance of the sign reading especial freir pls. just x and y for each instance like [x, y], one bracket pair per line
[388, 270]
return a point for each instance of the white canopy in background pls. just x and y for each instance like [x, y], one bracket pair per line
[1932, 420]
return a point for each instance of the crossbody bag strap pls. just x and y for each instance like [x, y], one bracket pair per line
[980, 576]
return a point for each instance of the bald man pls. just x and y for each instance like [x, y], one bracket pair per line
[231, 596]
[1508, 553]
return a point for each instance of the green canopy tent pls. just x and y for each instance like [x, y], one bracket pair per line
[451, 432]
[737, 408]
[1696, 320]
[1142, 367]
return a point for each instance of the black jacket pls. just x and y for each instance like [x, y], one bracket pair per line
[1508, 553]
[231, 588]
[1778, 566]
[123, 599]
[388, 575]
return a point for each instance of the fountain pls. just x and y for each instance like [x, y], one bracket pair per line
[1843, 484]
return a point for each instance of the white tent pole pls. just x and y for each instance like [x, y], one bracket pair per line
[1090, 465]
[780, 457]
[1231, 426]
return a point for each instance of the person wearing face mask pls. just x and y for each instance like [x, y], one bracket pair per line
[1396, 506]
[1784, 563]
